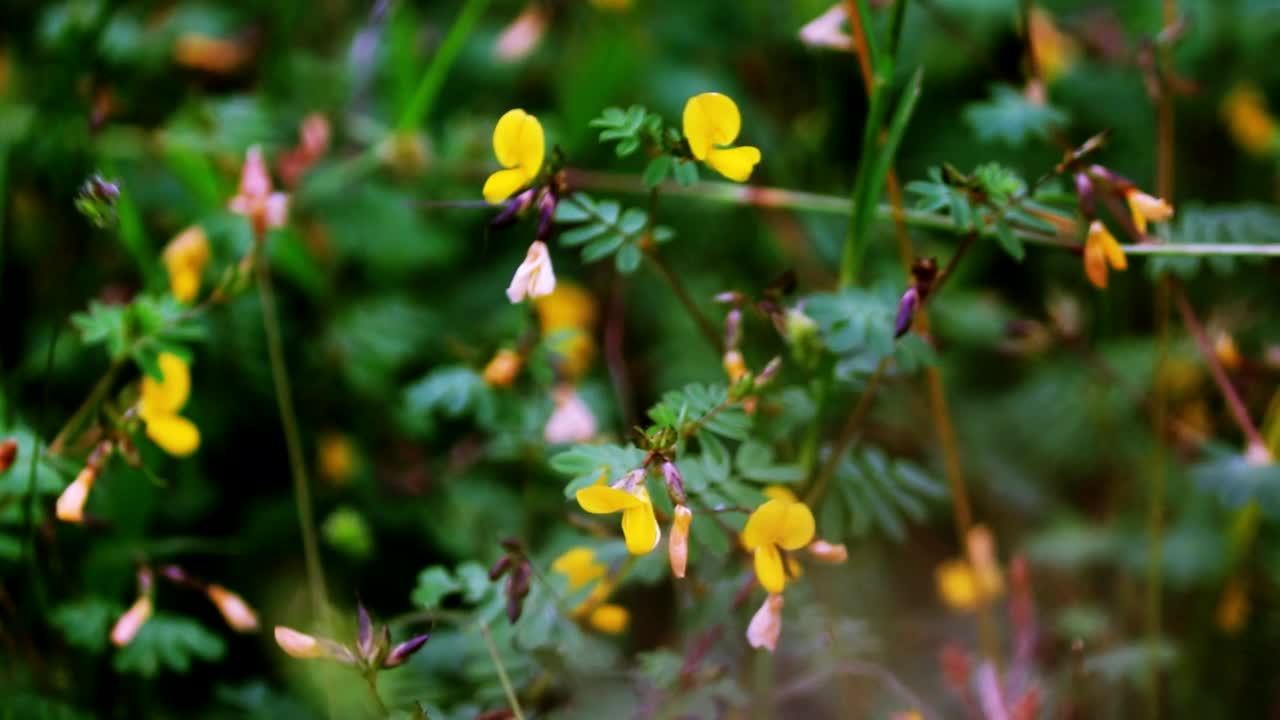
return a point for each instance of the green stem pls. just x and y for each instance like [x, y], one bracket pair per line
[704, 325]
[512, 700]
[91, 402]
[424, 95]
[288, 418]
[847, 434]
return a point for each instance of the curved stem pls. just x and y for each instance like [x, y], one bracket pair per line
[512, 700]
[293, 442]
[91, 402]
[704, 325]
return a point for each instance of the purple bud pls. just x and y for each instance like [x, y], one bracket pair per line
[732, 329]
[546, 212]
[500, 568]
[675, 483]
[515, 608]
[769, 372]
[512, 208]
[364, 631]
[906, 312]
[175, 574]
[512, 544]
[1084, 191]
[405, 650]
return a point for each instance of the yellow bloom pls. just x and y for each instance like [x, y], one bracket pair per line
[1101, 249]
[336, 457]
[609, 618]
[1224, 348]
[184, 258]
[639, 524]
[502, 369]
[966, 585]
[568, 306]
[519, 144]
[780, 492]
[734, 365]
[678, 544]
[711, 122]
[1145, 208]
[160, 404]
[777, 525]
[1249, 122]
[579, 566]
[1053, 49]
[766, 624]
[127, 627]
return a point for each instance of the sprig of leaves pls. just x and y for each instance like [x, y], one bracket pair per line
[604, 228]
[140, 330]
[1010, 117]
[1238, 224]
[875, 492]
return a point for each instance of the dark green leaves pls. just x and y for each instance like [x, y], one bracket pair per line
[585, 464]
[1236, 481]
[453, 392]
[856, 326]
[169, 642]
[628, 128]
[603, 228]
[140, 330]
[1011, 118]
[437, 582]
[1237, 224]
[873, 492]
[703, 405]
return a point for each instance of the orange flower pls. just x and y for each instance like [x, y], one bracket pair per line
[1100, 250]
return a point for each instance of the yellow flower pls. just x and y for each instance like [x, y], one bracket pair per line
[966, 585]
[502, 369]
[780, 492]
[1145, 208]
[711, 122]
[1249, 122]
[568, 306]
[1054, 50]
[184, 258]
[519, 144]
[609, 618]
[1101, 249]
[777, 525]
[579, 566]
[734, 365]
[160, 404]
[639, 524]
[336, 457]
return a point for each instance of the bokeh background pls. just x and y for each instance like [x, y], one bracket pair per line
[390, 286]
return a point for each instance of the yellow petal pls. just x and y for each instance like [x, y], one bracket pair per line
[780, 492]
[762, 526]
[184, 283]
[797, 527]
[734, 163]
[957, 585]
[611, 619]
[169, 395]
[1095, 255]
[640, 528]
[518, 142]
[710, 119]
[769, 570]
[174, 434]
[602, 499]
[579, 566]
[1115, 254]
[503, 184]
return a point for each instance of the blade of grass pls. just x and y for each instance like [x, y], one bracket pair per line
[424, 96]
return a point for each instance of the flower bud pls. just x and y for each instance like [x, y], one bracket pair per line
[675, 483]
[732, 328]
[503, 368]
[512, 208]
[364, 632]
[828, 552]
[500, 568]
[8, 453]
[127, 627]
[546, 213]
[766, 624]
[678, 544]
[298, 645]
[234, 609]
[734, 366]
[907, 307]
[401, 653]
[769, 372]
[70, 507]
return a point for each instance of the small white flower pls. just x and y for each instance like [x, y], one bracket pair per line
[766, 624]
[534, 278]
[571, 421]
[127, 627]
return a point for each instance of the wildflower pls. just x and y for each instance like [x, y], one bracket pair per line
[766, 624]
[734, 365]
[1145, 208]
[629, 497]
[127, 627]
[966, 585]
[297, 644]
[519, 144]
[184, 258]
[534, 278]
[828, 30]
[567, 306]
[518, 39]
[502, 369]
[571, 421]
[678, 544]
[210, 54]
[1101, 249]
[779, 524]
[580, 567]
[234, 609]
[711, 122]
[1225, 349]
[827, 552]
[160, 404]
[313, 142]
[70, 505]
[1233, 607]
[1053, 50]
[1250, 124]
[336, 457]
[255, 201]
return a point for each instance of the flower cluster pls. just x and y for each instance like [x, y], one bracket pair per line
[371, 652]
[1131, 207]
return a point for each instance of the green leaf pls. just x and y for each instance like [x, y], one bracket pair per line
[657, 170]
[1236, 481]
[602, 247]
[1009, 241]
[1011, 118]
[453, 391]
[870, 490]
[585, 464]
[168, 642]
[434, 584]
[685, 172]
[570, 210]
[86, 623]
[583, 234]
[628, 259]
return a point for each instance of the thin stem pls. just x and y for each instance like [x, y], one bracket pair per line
[704, 325]
[1229, 392]
[293, 442]
[424, 95]
[371, 678]
[844, 441]
[91, 402]
[512, 700]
